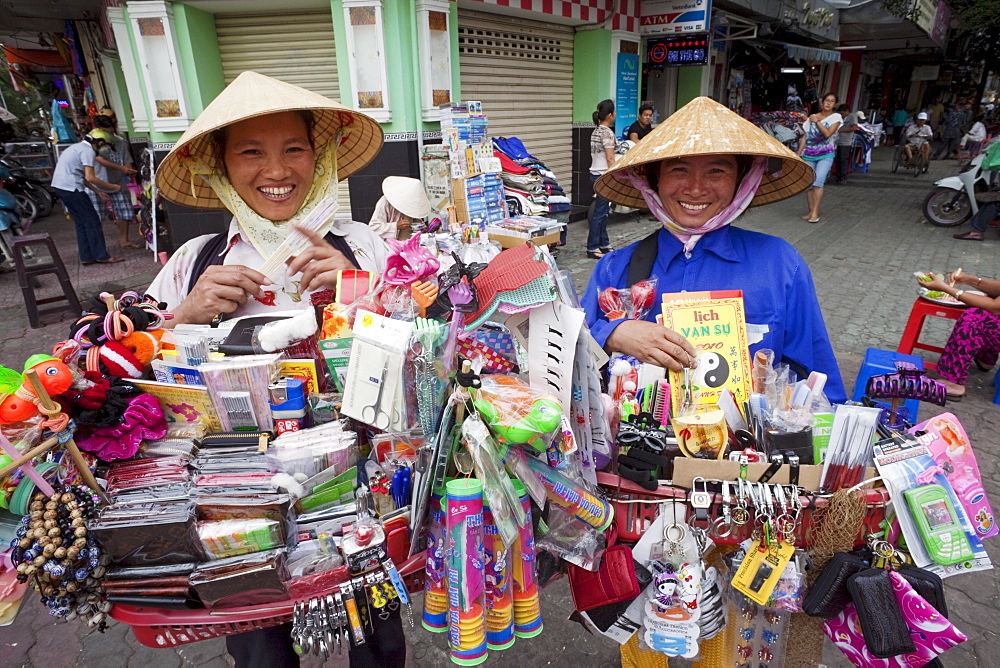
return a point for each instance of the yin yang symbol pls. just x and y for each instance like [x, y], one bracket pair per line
[712, 369]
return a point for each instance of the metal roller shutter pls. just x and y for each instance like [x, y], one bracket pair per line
[522, 72]
[297, 48]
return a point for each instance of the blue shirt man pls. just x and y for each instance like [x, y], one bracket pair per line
[782, 311]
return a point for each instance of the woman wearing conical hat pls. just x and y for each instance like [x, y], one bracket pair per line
[269, 152]
[697, 172]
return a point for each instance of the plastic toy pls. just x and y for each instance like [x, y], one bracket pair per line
[516, 413]
[20, 402]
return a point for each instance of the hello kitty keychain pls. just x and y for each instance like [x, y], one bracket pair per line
[670, 616]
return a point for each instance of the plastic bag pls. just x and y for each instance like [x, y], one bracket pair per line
[518, 414]
[504, 502]
[633, 302]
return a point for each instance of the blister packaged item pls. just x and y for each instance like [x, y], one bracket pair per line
[242, 581]
[168, 447]
[518, 414]
[374, 393]
[229, 538]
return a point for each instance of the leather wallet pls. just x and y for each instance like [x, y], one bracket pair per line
[882, 623]
[828, 595]
[613, 581]
[927, 584]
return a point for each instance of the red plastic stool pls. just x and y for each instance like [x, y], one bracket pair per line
[911, 334]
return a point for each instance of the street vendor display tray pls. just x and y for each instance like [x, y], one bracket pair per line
[157, 627]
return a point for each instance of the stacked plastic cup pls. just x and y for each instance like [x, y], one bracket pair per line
[527, 606]
[466, 578]
[435, 617]
[499, 604]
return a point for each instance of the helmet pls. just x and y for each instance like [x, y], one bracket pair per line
[99, 134]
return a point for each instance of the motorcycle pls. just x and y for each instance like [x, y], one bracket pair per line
[953, 200]
[20, 184]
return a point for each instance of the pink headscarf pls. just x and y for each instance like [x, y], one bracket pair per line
[690, 236]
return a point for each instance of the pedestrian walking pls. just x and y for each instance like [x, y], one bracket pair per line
[845, 140]
[114, 165]
[818, 147]
[602, 156]
[951, 133]
[73, 176]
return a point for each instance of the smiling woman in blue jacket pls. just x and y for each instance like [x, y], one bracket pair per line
[698, 172]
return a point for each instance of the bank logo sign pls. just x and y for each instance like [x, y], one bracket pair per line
[670, 17]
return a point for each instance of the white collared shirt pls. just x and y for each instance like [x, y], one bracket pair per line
[171, 284]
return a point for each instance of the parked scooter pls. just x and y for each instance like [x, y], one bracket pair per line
[20, 184]
[953, 200]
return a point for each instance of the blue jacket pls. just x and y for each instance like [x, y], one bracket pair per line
[782, 311]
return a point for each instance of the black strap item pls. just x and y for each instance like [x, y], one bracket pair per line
[641, 266]
[214, 253]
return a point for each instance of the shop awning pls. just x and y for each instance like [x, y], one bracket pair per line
[808, 53]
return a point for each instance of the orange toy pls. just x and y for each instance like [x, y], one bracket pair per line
[20, 402]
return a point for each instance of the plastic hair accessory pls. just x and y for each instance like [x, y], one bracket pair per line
[409, 262]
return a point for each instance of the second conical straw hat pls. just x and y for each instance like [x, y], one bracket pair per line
[705, 127]
[252, 94]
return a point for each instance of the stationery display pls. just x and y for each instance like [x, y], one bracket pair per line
[444, 427]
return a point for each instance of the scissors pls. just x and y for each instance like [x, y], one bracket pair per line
[374, 414]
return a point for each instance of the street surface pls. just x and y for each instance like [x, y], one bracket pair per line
[862, 254]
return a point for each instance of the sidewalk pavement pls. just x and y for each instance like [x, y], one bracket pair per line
[862, 254]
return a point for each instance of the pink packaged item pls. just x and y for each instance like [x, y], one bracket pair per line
[950, 447]
[930, 631]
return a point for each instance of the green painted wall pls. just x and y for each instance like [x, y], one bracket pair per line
[114, 69]
[199, 54]
[688, 84]
[592, 66]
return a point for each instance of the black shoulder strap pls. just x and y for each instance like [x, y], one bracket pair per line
[210, 254]
[641, 266]
[214, 253]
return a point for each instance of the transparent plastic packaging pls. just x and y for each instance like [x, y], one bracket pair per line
[517, 413]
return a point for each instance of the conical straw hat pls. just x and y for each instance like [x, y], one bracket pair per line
[705, 127]
[252, 94]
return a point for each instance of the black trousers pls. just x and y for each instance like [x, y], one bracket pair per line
[272, 647]
[843, 162]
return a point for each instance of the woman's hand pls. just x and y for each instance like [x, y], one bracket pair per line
[221, 289]
[319, 263]
[959, 276]
[653, 344]
[935, 283]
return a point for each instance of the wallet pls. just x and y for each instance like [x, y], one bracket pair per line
[927, 584]
[828, 595]
[882, 624]
[613, 581]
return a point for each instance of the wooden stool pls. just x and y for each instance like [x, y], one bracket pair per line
[922, 309]
[55, 266]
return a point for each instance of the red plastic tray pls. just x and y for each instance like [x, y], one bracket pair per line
[156, 627]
